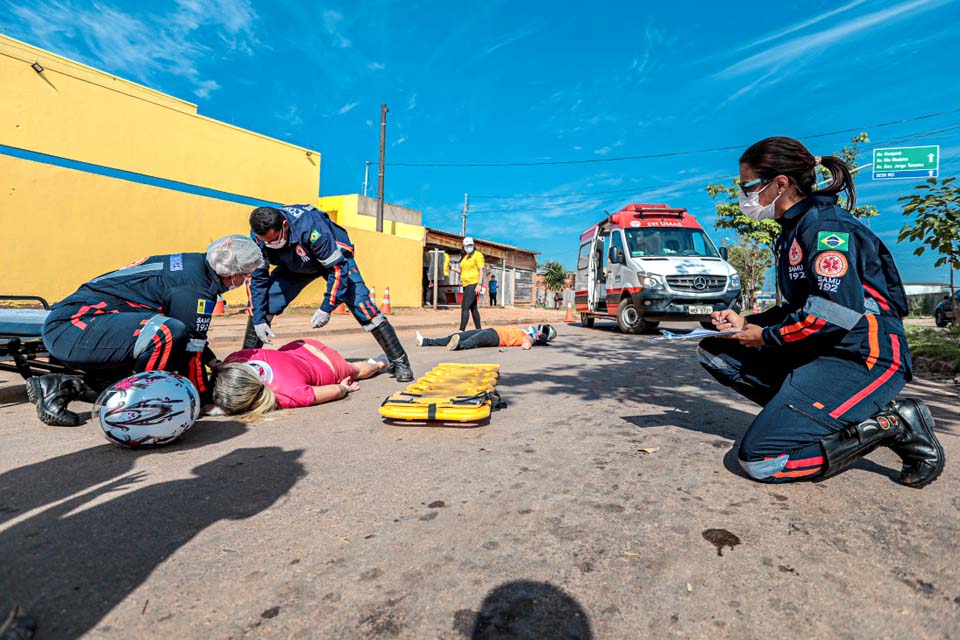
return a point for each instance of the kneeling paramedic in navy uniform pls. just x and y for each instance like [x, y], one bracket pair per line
[305, 245]
[151, 315]
[828, 363]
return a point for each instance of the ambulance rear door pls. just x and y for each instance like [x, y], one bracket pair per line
[588, 270]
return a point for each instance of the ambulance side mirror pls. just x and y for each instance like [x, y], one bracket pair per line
[724, 253]
[615, 255]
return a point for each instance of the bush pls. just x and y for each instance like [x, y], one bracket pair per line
[937, 345]
[918, 307]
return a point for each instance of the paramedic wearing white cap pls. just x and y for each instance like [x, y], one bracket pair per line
[471, 276]
[151, 315]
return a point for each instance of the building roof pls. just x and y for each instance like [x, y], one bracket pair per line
[491, 243]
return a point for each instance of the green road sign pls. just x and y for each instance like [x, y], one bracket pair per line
[906, 162]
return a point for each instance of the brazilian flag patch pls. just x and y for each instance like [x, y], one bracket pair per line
[833, 241]
[314, 235]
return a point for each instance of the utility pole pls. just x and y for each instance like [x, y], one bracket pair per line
[383, 143]
[463, 215]
[366, 177]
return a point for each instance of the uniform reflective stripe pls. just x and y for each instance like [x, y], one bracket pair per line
[167, 346]
[157, 346]
[870, 306]
[832, 312]
[345, 247]
[132, 271]
[808, 330]
[336, 286]
[873, 386]
[82, 311]
[797, 474]
[797, 326]
[805, 462]
[876, 296]
[377, 320]
[874, 340]
[336, 256]
[196, 344]
[763, 469]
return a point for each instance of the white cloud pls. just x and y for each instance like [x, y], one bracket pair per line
[369, 123]
[412, 102]
[400, 141]
[205, 88]
[780, 55]
[602, 151]
[331, 24]
[142, 48]
[347, 108]
[376, 66]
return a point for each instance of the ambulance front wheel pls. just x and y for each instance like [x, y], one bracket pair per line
[629, 320]
[586, 321]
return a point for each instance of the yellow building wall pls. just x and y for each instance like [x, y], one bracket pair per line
[77, 112]
[343, 210]
[68, 225]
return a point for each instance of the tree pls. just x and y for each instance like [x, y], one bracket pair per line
[752, 260]
[554, 275]
[729, 216]
[850, 155]
[937, 222]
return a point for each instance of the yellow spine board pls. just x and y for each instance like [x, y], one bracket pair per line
[450, 392]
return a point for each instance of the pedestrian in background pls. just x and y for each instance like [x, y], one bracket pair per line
[471, 275]
[493, 285]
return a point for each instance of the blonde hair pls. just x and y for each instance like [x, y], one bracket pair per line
[239, 390]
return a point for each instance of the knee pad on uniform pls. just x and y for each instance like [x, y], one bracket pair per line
[158, 342]
[760, 469]
[375, 322]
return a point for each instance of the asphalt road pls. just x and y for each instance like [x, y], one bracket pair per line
[580, 511]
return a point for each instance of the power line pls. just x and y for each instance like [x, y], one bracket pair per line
[588, 194]
[667, 154]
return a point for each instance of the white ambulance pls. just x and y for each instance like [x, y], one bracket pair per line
[648, 263]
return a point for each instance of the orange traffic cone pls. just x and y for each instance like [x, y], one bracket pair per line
[218, 308]
[569, 316]
[341, 310]
[386, 303]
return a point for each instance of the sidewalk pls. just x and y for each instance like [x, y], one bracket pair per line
[227, 330]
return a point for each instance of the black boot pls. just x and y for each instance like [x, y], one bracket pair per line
[851, 443]
[33, 389]
[54, 392]
[916, 444]
[399, 364]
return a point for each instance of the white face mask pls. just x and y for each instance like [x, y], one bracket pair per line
[279, 244]
[750, 205]
[468, 248]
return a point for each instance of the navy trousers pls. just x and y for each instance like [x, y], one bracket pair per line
[804, 400]
[348, 287]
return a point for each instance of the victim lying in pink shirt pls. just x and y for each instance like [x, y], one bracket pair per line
[292, 371]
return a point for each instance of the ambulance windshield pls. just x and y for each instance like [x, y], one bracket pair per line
[647, 242]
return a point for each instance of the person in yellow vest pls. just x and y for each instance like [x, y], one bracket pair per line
[471, 272]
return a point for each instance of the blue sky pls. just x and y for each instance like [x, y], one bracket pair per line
[501, 82]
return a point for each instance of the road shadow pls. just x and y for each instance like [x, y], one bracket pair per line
[29, 487]
[524, 609]
[69, 566]
[663, 375]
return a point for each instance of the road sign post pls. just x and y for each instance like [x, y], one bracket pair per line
[906, 162]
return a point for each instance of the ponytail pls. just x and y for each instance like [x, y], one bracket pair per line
[841, 181]
[782, 156]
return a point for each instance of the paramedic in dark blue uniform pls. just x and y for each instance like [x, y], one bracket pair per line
[305, 244]
[828, 363]
[150, 315]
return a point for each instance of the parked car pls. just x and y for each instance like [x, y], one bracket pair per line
[946, 311]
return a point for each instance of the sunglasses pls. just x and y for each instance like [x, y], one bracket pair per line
[746, 185]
